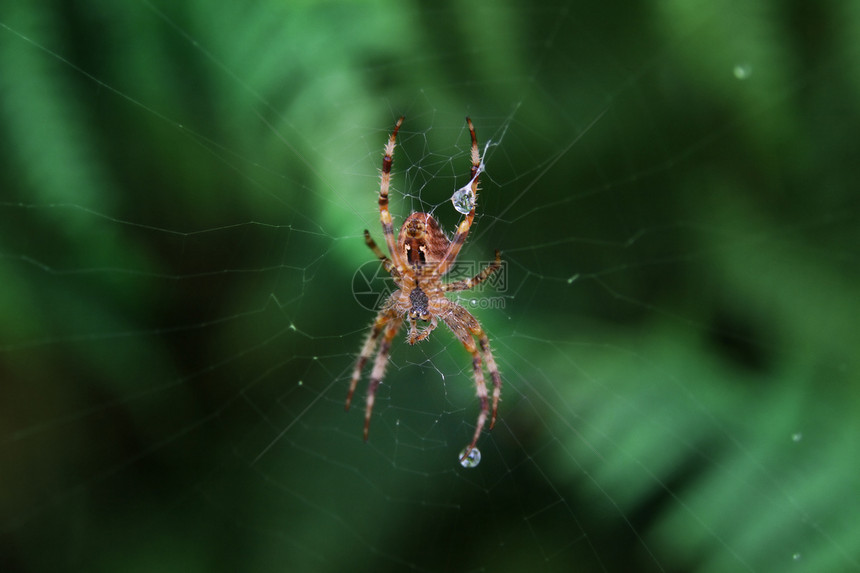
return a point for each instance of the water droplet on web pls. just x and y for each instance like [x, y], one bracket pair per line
[742, 71]
[463, 200]
[472, 460]
[796, 437]
[796, 556]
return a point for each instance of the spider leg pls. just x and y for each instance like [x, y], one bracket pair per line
[386, 262]
[492, 368]
[463, 229]
[474, 327]
[379, 369]
[417, 336]
[466, 284]
[384, 213]
[463, 325]
[383, 318]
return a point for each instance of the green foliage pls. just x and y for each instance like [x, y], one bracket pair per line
[184, 189]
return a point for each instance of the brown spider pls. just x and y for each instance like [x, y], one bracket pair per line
[420, 257]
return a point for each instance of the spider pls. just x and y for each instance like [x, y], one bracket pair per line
[420, 257]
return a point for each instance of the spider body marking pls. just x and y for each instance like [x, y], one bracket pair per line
[421, 255]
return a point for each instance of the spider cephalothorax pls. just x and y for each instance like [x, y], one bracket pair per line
[420, 258]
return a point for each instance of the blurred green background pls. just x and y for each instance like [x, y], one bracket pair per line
[672, 185]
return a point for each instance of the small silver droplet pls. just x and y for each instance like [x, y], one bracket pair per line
[471, 460]
[742, 71]
[463, 200]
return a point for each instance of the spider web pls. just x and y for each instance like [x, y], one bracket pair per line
[186, 288]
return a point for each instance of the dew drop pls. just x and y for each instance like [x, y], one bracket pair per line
[463, 200]
[796, 556]
[796, 437]
[742, 71]
[472, 460]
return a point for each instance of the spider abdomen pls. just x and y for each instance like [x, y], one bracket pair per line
[423, 240]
